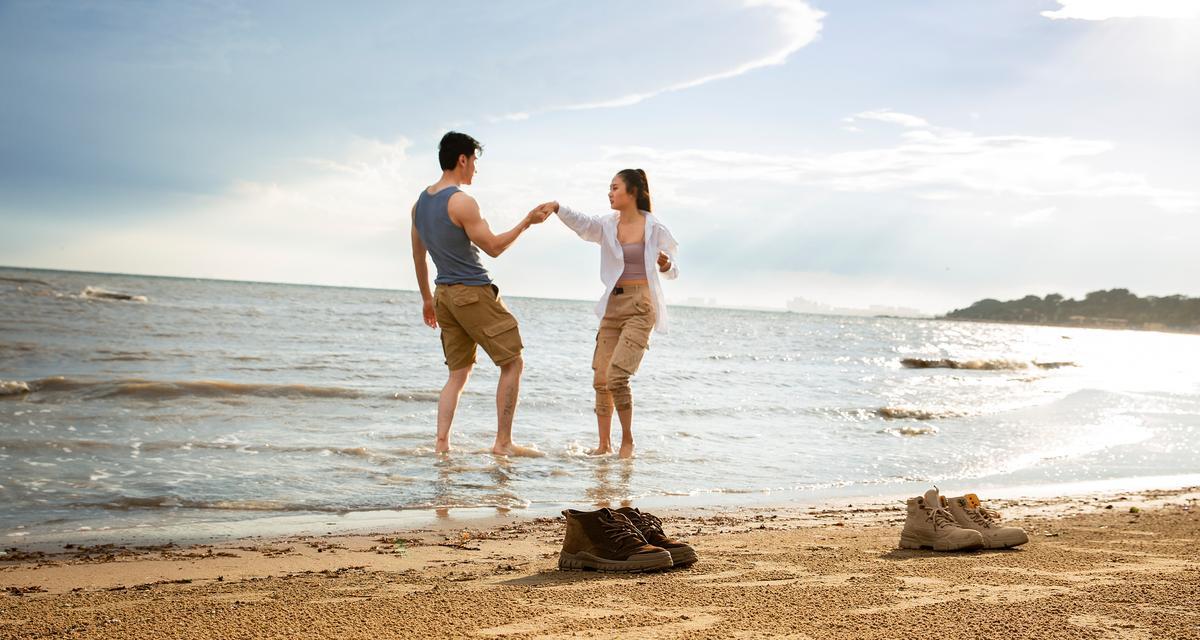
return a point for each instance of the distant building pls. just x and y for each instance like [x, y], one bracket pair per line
[800, 305]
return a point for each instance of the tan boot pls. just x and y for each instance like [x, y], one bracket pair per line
[651, 529]
[930, 526]
[605, 540]
[970, 514]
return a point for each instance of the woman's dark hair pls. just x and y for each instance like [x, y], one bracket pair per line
[635, 183]
[455, 144]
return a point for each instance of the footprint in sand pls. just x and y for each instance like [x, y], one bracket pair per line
[1111, 627]
[675, 621]
[986, 594]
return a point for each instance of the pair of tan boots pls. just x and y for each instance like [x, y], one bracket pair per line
[955, 524]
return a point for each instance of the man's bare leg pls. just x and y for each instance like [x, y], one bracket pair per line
[447, 404]
[508, 391]
[626, 417]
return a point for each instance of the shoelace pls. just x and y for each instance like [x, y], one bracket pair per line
[942, 519]
[939, 516]
[647, 522]
[653, 523]
[622, 532]
[984, 516]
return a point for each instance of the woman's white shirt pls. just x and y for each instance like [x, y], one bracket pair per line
[603, 231]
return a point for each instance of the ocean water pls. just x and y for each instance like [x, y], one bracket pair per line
[149, 402]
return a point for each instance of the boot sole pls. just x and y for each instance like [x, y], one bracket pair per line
[583, 561]
[910, 542]
[997, 545]
[683, 556]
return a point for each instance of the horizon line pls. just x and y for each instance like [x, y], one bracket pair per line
[782, 309]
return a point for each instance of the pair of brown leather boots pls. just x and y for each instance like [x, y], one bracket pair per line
[624, 539]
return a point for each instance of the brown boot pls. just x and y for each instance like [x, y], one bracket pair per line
[651, 529]
[605, 540]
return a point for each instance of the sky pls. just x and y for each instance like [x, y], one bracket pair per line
[850, 152]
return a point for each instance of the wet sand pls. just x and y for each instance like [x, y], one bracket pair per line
[1112, 566]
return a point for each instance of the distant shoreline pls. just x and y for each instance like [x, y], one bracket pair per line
[1073, 325]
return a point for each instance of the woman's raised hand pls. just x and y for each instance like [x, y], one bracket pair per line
[664, 262]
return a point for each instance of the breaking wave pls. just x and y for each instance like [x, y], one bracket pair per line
[13, 388]
[140, 389]
[21, 281]
[159, 390]
[507, 499]
[124, 503]
[980, 365]
[97, 293]
[386, 454]
[906, 413]
[909, 431]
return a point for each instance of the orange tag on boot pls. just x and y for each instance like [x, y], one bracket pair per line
[972, 501]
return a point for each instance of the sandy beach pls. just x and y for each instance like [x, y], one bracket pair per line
[1097, 566]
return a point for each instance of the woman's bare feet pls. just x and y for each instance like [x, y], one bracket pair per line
[602, 450]
[442, 446]
[626, 449]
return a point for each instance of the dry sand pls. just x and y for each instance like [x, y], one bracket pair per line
[1089, 571]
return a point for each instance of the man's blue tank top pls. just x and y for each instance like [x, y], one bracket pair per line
[456, 259]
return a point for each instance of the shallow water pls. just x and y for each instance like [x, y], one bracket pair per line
[221, 401]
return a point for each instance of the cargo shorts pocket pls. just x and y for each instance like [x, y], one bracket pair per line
[464, 298]
[500, 327]
[628, 355]
[604, 351]
[503, 339]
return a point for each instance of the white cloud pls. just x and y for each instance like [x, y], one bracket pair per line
[889, 116]
[1109, 9]
[345, 220]
[939, 163]
[342, 221]
[1035, 217]
[799, 22]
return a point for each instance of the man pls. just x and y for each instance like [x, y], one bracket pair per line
[447, 225]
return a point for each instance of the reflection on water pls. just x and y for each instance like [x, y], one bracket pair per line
[614, 479]
[483, 481]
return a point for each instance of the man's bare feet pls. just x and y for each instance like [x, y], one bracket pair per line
[514, 449]
[602, 450]
[626, 450]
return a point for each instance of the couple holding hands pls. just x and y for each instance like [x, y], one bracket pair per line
[635, 248]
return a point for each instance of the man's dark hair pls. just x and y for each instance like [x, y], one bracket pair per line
[455, 144]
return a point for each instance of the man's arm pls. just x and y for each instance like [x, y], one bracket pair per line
[464, 212]
[422, 269]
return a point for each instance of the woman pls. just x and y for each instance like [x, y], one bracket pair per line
[635, 247]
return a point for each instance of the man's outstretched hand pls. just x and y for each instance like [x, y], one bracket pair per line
[429, 314]
[538, 214]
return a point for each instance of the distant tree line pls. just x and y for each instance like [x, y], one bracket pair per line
[1117, 308]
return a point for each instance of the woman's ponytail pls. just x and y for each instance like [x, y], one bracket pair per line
[637, 184]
